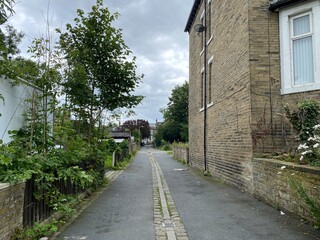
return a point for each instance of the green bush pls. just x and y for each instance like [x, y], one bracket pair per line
[304, 117]
[165, 146]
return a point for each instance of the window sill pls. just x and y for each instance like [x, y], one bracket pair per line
[201, 110]
[210, 105]
[209, 41]
[305, 88]
[202, 51]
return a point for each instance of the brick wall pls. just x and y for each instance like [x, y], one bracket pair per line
[274, 185]
[266, 105]
[246, 117]
[228, 119]
[181, 153]
[11, 209]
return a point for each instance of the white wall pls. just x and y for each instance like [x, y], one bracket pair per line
[13, 106]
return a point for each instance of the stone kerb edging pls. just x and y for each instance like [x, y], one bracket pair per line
[168, 224]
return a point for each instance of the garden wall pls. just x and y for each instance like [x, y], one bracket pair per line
[11, 209]
[181, 153]
[278, 183]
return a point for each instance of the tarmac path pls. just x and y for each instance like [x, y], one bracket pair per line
[158, 198]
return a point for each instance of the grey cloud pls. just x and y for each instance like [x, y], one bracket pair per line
[153, 30]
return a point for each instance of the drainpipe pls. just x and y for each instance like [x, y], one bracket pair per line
[199, 28]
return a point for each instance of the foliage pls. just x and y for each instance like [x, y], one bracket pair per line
[137, 135]
[310, 149]
[9, 41]
[165, 146]
[169, 131]
[314, 207]
[101, 77]
[179, 144]
[304, 118]
[175, 126]
[6, 10]
[177, 109]
[38, 231]
[141, 125]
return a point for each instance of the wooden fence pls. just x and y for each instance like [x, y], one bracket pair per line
[39, 209]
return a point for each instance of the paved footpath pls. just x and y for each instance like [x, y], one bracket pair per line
[158, 198]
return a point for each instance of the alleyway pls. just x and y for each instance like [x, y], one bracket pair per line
[184, 205]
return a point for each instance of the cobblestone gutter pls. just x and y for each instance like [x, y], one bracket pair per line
[168, 224]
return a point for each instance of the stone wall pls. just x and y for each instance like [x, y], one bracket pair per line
[229, 149]
[11, 209]
[181, 153]
[276, 182]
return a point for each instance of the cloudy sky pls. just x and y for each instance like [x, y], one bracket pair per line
[153, 30]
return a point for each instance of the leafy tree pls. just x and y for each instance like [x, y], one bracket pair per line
[9, 41]
[175, 126]
[141, 125]
[177, 109]
[101, 77]
[6, 10]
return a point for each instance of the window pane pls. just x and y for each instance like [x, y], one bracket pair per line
[301, 25]
[303, 61]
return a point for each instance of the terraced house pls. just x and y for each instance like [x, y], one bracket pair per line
[248, 58]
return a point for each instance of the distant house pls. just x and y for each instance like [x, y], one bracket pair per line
[153, 128]
[120, 136]
[247, 60]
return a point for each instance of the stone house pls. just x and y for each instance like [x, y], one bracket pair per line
[248, 58]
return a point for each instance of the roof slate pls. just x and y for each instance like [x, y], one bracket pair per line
[193, 13]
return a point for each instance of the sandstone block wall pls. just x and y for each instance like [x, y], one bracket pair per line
[277, 186]
[11, 209]
[228, 117]
[181, 153]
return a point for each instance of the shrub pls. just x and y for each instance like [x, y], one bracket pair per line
[310, 149]
[165, 146]
[304, 118]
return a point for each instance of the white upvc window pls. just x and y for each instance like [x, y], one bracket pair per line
[300, 47]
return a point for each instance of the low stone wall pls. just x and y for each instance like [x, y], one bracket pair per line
[181, 153]
[279, 183]
[11, 209]
[133, 147]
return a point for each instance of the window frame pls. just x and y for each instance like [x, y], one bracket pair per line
[210, 82]
[210, 22]
[202, 33]
[286, 17]
[301, 36]
[202, 81]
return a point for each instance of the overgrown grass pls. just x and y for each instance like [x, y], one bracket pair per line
[184, 162]
[313, 205]
[166, 147]
[184, 145]
[108, 162]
